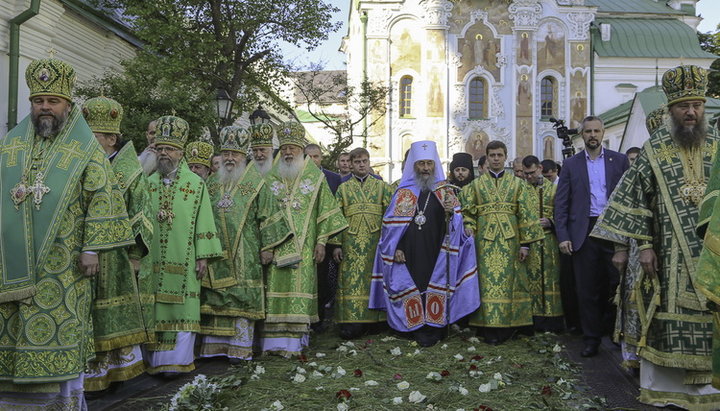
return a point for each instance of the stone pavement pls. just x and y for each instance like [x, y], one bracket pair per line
[602, 375]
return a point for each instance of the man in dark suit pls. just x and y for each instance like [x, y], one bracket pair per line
[326, 270]
[586, 181]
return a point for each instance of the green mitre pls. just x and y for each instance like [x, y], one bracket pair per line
[292, 132]
[103, 115]
[172, 131]
[261, 135]
[234, 138]
[199, 152]
[50, 77]
[685, 83]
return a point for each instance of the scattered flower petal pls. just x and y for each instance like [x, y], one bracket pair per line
[317, 374]
[396, 351]
[277, 406]
[371, 383]
[471, 349]
[416, 397]
[298, 378]
[397, 377]
[444, 347]
[473, 340]
[484, 388]
[300, 370]
[320, 354]
[458, 357]
[403, 385]
[343, 395]
[444, 373]
[342, 406]
[358, 373]
[497, 376]
[302, 358]
[546, 390]
[433, 376]
[557, 348]
[397, 400]
[463, 391]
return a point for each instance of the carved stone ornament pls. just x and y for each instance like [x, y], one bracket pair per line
[525, 14]
[437, 12]
[580, 25]
[497, 107]
[378, 22]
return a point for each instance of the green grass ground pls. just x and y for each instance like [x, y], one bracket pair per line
[460, 372]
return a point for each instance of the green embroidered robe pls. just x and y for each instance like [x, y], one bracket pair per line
[503, 213]
[363, 205]
[234, 286]
[708, 268]
[654, 206]
[176, 246]
[544, 259]
[47, 337]
[314, 216]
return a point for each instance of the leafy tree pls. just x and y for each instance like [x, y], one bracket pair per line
[192, 48]
[363, 106]
[710, 42]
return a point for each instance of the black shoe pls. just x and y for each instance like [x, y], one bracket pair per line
[590, 350]
[492, 341]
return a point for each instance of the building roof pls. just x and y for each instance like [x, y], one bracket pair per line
[616, 115]
[632, 6]
[304, 116]
[648, 37]
[112, 19]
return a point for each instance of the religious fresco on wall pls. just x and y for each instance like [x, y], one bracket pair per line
[523, 136]
[578, 98]
[436, 101]
[479, 48]
[435, 46]
[475, 144]
[551, 47]
[549, 148]
[498, 14]
[377, 53]
[579, 54]
[524, 50]
[405, 46]
[524, 96]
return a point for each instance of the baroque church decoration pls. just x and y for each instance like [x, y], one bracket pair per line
[580, 25]
[525, 14]
[479, 45]
[379, 21]
[437, 12]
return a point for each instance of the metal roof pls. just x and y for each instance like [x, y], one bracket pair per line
[632, 6]
[648, 37]
[617, 115]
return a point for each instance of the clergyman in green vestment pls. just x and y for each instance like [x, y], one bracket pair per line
[57, 211]
[501, 210]
[301, 191]
[657, 204]
[117, 310]
[543, 264]
[184, 239]
[363, 199]
[250, 225]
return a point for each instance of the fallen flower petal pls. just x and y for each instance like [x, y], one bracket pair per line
[277, 406]
[302, 358]
[484, 388]
[458, 357]
[298, 378]
[444, 373]
[358, 373]
[320, 355]
[343, 406]
[397, 377]
[371, 383]
[403, 385]
[397, 400]
[416, 397]
[463, 391]
[343, 395]
[473, 367]
[546, 390]
[477, 357]
[396, 351]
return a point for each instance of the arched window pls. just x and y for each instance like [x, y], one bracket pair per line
[406, 83]
[548, 97]
[477, 99]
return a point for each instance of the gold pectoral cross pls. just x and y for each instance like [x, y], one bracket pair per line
[38, 190]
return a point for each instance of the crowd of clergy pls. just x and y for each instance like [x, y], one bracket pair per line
[117, 263]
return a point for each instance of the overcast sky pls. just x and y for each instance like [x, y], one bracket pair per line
[334, 60]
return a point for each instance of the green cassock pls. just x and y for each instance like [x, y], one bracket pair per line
[503, 213]
[314, 216]
[707, 276]
[251, 223]
[46, 334]
[543, 264]
[657, 204]
[363, 205]
[117, 308]
[177, 244]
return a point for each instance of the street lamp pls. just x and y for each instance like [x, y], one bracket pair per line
[261, 114]
[223, 104]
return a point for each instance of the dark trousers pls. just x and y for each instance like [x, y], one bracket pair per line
[326, 283]
[596, 280]
[568, 294]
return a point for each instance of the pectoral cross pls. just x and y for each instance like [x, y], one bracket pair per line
[38, 190]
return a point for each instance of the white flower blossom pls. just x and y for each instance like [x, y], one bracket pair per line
[298, 378]
[557, 348]
[444, 347]
[342, 406]
[254, 377]
[312, 364]
[433, 376]
[371, 383]
[473, 340]
[497, 376]
[342, 348]
[319, 388]
[352, 352]
[416, 397]
[277, 406]
[403, 385]
[320, 354]
[463, 391]
[354, 389]
[484, 388]
[416, 352]
[471, 349]
[397, 400]
[458, 357]
[396, 351]
[317, 374]
[300, 370]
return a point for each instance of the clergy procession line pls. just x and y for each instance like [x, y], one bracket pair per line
[115, 263]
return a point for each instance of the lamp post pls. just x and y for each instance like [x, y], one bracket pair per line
[223, 104]
[259, 114]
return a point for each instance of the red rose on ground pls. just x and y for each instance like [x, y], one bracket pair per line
[444, 373]
[473, 367]
[546, 390]
[477, 357]
[343, 395]
[302, 358]
[357, 373]
[397, 377]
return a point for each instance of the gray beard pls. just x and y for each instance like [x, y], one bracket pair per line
[165, 167]
[148, 161]
[46, 128]
[263, 166]
[424, 183]
[292, 170]
[231, 177]
[689, 137]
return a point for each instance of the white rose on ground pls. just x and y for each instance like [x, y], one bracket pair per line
[342, 406]
[396, 351]
[397, 400]
[484, 388]
[403, 385]
[298, 378]
[458, 357]
[277, 406]
[416, 397]
[463, 391]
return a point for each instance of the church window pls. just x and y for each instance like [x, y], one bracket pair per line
[406, 83]
[477, 99]
[548, 97]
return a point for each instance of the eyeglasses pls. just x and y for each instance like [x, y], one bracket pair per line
[168, 149]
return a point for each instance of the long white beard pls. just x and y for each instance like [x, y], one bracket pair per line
[424, 183]
[148, 161]
[231, 177]
[291, 171]
[263, 166]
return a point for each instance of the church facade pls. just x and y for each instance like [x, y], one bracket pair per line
[465, 72]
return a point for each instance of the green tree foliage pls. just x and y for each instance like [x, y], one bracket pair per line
[710, 42]
[192, 48]
[363, 105]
